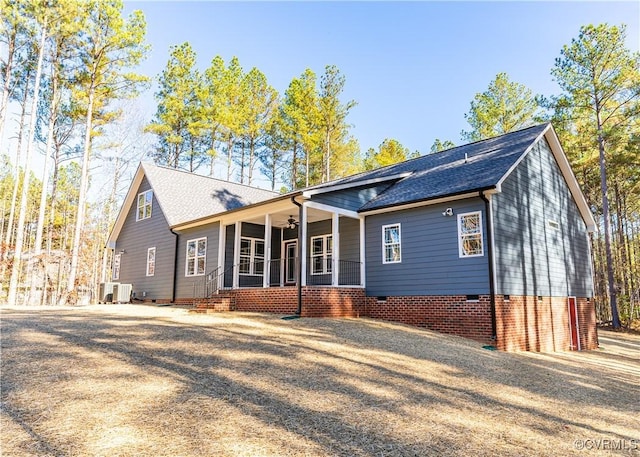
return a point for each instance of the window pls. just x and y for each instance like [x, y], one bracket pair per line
[321, 254]
[115, 274]
[151, 261]
[144, 205]
[470, 234]
[391, 244]
[196, 257]
[251, 256]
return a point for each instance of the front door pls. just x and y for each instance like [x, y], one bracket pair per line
[290, 256]
[574, 329]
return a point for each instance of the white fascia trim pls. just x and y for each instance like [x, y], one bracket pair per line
[570, 178]
[332, 209]
[126, 205]
[520, 159]
[426, 203]
[366, 182]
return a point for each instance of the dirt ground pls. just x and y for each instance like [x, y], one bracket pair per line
[123, 380]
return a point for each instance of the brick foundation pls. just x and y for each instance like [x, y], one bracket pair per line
[525, 323]
[446, 314]
[317, 301]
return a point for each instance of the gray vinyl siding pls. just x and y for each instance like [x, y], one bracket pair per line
[135, 238]
[184, 283]
[351, 199]
[430, 262]
[531, 257]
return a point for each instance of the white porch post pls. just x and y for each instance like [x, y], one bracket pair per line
[236, 255]
[303, 246]
[362, 253]
[221, 245]
[267, 251]
[335, 254]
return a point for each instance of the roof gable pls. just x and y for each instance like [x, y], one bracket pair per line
[184, 196]
[468, 168]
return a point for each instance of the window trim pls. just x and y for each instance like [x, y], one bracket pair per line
[461, 236]
[151, 262]
[327, 267]
[115, 269]
[144, 206]
[385, 244]
[195, 257]
[252, 256]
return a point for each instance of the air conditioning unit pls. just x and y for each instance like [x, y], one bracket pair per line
[122, 293]
[105, 294]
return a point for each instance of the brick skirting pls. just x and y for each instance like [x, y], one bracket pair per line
[523, 323]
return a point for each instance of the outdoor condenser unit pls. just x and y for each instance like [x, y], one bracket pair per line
[122, 293]
[105, 295]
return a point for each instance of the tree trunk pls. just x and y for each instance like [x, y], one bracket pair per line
[294, 166]
[615, 317]
[4, 102]
[16, 184]
[252, 147]
[82, 198]
[45, 176]
[17, 257]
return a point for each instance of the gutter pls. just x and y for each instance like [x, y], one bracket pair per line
[299, 262]
[175, 267]
[492, 285]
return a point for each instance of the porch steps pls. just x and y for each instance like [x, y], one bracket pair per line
[221, 302]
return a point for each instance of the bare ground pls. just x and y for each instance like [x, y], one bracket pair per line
[122, 380]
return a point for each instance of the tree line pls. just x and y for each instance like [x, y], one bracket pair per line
[67, 65]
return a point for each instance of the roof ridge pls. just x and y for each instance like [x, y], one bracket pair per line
[191, 173]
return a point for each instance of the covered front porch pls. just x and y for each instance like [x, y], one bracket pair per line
[287, 244]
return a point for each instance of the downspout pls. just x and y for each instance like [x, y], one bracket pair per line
[299, 262]
[492, 285]
[175, 268]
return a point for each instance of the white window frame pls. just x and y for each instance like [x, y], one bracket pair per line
[115, 271]
[385, 244]
[253, 258]
[151, 261]
[326, 255]
[196, 257]
[463, 236]
[144, 204]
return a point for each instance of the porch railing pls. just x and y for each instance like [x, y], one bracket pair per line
[251, 274]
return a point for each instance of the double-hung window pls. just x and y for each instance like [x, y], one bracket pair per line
[391, 244]
[196, 257]
[470, 243]
[321, 254]
[145, 201]
[151, 261]
[251, 256]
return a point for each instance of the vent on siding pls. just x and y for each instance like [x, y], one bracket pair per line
[553, 224]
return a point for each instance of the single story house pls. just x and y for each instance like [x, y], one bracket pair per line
[488, 240]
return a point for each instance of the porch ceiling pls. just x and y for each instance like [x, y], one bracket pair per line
[280, 218]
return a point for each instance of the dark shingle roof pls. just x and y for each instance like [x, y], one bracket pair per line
[447, 173]
[185, 196]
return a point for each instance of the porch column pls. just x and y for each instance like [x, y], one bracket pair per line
[335, 252]
[267, 251]
[362, 253]
[221, 245]
[236, 255]
[303, 246]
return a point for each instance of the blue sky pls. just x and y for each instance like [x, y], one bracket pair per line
[413, 67]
